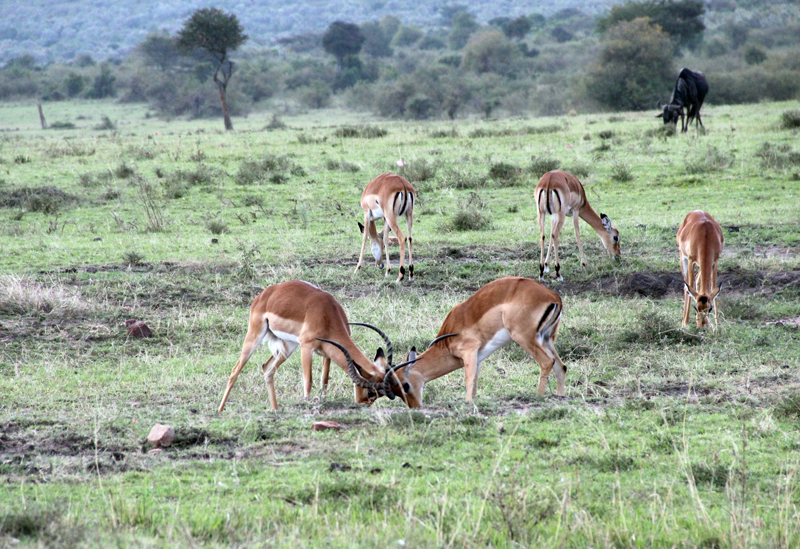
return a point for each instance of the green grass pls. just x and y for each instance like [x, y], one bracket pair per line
[666, 437]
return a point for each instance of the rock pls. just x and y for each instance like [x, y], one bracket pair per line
[161, 436]
[137, 328]
[325, 425]
[155, 451]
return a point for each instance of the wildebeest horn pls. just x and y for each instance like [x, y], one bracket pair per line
[383, 335]
[357, 377]
[659, 104]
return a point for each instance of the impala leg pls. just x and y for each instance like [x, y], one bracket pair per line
[557, 231]
[575, 219]
[306, 358]
[547, 358]
[401, 239]
[269, 368]
[251, 342]
[549, 245]
[409, 224]
[363, 241]
[326, 370]
[386, 244]
[541, 220]
[471, 368]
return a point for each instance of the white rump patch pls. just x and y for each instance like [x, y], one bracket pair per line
[500, 339]
[376, 213]
[282, 344]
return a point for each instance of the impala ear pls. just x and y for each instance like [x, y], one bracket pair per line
[715, 293]
[360, 227]
[379, 354]
[691, 292]
[412, 356]
[606, 221]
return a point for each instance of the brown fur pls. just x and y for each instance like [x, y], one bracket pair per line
[560, 194]
[308, 313]
[520, 305]
[700, 241]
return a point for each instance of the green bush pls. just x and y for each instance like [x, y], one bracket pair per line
[272, 168]
[790, 119]
[540, 165]
[505, 174]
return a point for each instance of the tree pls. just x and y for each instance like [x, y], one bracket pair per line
[342, 40]
[158, 49]
[490, 51]
[634, 67]
[376, 43]
[464, 25]
[682, 20]
[517, 28]
[218, 33]
[104, 84]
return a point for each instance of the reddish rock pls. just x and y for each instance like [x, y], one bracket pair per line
[325, 425]
[161, 436]
[137, 328]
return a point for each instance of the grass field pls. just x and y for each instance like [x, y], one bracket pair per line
[667, 437]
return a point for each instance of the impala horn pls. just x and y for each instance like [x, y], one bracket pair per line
[411, 362]
[383, 335]
[354, 370]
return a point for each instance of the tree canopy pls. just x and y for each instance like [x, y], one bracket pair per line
[212, 30]
[634, 68]
[342, 39]
[682, 20]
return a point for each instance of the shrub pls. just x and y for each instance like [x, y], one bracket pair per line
[621, 172]
[419, 170]
[790, 119]
[439, 134]
[216, 227]
[470, 215]
[777, 156]
[343, 166]
[62, 126]
[275, 123]
[366, 132]
[540, 165]
[36, 199]
[105, 124]
[304, 139]
[606, 134]
[123, 171]
[711, 160]
[132, 258]
[788, 407]
[505, 174]
[579, 170]
[271, 168]
[25, 296]
[456, 178]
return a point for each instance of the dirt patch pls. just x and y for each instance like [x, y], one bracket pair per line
[660, 285]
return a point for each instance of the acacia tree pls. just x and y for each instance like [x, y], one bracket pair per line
[342, 40]
[218, 33]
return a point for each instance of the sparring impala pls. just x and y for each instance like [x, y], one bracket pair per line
[388, 196]
[508, 309]
[297, 314]
[700, 243]
[560, 194]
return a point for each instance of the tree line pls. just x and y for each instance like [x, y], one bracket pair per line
[623, 60]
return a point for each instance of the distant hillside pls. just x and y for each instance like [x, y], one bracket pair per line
[60, 30]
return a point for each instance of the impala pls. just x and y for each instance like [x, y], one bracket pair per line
[700, 242]
[297, 314]
[559, 194]
[388, 196]
[508, 309]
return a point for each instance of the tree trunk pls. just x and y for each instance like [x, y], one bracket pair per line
[41, 117]
[225, 115]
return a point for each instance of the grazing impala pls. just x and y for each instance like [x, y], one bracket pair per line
[560, 194]
[296, 314]
[700, 242]
[508, 309]
[388, 196]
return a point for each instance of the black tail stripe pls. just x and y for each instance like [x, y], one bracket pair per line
[539, 201]
[547, 196]
[394, 202]
[544, 316]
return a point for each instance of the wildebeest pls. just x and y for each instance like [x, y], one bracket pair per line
[690, 91]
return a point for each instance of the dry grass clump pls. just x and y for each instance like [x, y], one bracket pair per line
[19, 295]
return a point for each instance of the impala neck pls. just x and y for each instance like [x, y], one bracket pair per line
[593, 219]
[436, 362]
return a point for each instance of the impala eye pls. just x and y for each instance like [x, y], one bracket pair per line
[616, 239]
[406, 387]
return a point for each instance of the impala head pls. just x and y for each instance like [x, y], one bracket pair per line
[610, 238]
[704, 304]
[373, 389]
[376, 245]
[405, 379]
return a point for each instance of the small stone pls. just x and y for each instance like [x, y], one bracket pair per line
[137, 328]
[161, 436]
[155, 451]
[325, 425]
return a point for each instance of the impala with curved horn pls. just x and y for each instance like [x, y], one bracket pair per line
[298, 314]
[560, 194]
[508, 309]
[388, 196]
[700, 242]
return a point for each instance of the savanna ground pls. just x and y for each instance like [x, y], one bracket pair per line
[667, 437]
